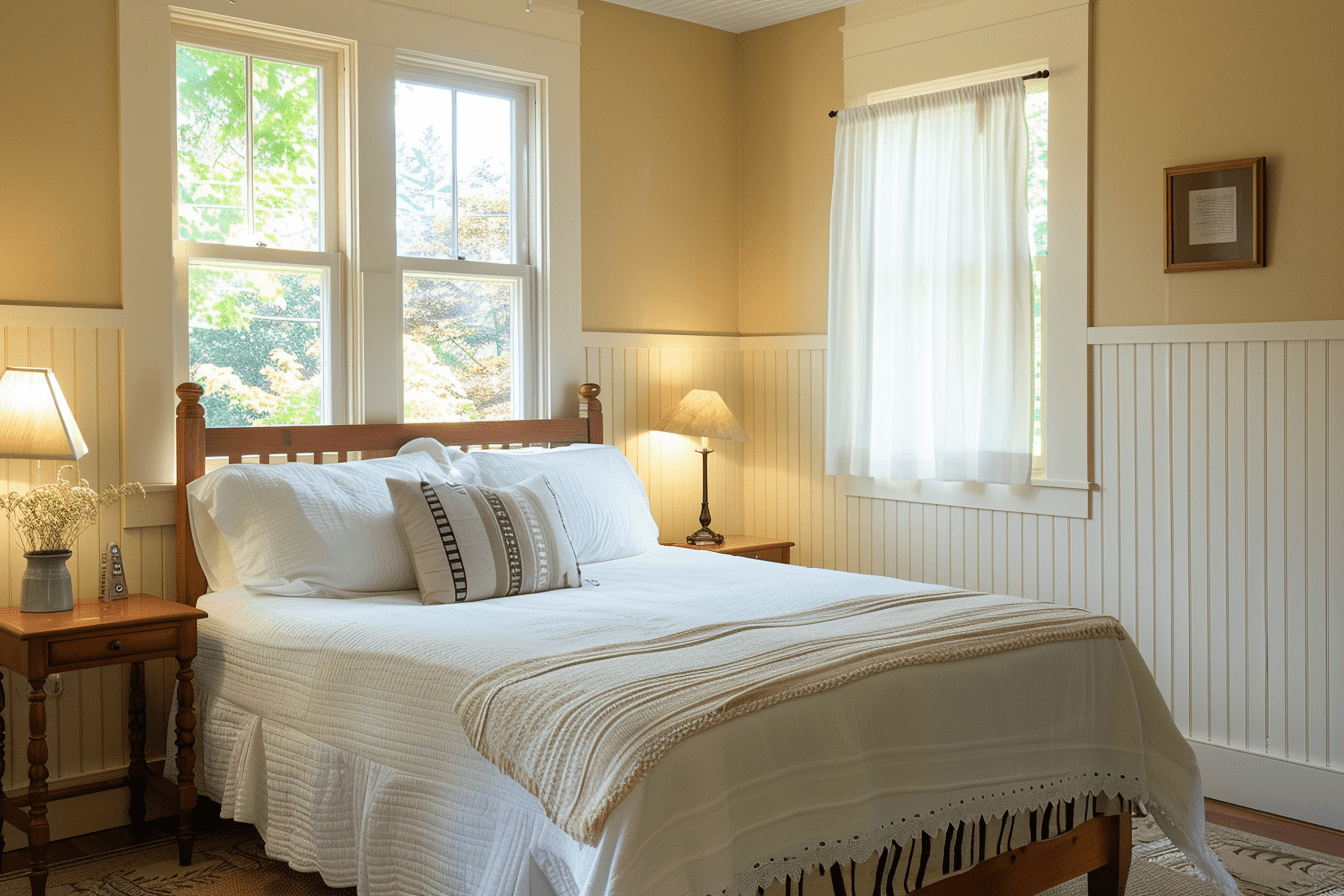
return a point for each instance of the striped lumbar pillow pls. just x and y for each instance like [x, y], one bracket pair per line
[471, 542]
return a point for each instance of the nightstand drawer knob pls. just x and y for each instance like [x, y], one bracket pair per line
[115, 645]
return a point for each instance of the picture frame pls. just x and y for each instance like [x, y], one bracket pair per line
[1216, 215]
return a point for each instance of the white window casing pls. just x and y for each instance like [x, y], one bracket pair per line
[892, 49]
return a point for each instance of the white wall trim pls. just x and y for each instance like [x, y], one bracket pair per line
[76, 317]
[801, 343]
[1065, 499]
[806, 342]
[883, 24]
[1274, 331]
[692, 341]
[1280, 786]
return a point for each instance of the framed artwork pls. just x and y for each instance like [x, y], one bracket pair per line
[1216, 215]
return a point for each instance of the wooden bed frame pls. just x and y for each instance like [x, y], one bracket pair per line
[1099, 847]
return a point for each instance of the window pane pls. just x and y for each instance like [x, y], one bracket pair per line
[255, 342]
[220, 199]
[211, 145]
[484, 177]
[1038, 174]
[286, 155]
[457, 347]
[454, 174]
[424, 118]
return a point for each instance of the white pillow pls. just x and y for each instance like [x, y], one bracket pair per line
[602, 499]
[471, 542]
[306, 529]
[456, 465]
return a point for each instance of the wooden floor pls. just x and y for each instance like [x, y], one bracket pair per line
[207, 818]
[1298, 833]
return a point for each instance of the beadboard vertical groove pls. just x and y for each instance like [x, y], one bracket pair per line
[1216, 532]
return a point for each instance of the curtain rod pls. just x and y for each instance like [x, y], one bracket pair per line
[1043, 73]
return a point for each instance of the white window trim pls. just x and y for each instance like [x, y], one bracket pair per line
[894, 50]
[544, 44]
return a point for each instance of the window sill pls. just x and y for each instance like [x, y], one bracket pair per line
[1049, 497]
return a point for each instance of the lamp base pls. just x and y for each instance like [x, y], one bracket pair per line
[704, 536]
[45, 587]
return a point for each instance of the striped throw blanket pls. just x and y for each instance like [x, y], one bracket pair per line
[580, 729]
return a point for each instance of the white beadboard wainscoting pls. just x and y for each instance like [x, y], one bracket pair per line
[1216, 532]
[86, 722]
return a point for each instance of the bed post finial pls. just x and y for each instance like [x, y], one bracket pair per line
[591, 408]
[190, 466]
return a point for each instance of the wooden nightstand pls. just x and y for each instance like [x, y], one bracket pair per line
[746, 546]
[139, 628]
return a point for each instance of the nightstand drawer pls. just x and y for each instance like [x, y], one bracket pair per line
[112, 646]
[774, 555]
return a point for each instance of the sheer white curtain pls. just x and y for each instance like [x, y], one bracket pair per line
[929, 347]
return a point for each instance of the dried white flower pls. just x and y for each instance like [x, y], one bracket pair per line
[51, 517]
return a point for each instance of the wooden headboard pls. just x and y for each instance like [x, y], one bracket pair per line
[196, 443]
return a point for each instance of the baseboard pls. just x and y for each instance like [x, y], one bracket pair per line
[1293, 790]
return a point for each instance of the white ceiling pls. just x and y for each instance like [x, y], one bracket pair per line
[734, 15]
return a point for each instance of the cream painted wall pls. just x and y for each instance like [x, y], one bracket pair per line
[59, 237]
[1180, 83]
[659, 138]
[791, 77]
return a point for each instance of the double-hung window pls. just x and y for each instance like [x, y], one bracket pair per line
[258, 232]
[262, 236]
[463, 244]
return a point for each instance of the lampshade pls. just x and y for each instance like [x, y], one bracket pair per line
[35, 421]
[703, 413]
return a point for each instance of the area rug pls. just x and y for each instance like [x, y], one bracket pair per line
[233, 862]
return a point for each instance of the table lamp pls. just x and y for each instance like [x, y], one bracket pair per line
[702, 413]
[36, 424]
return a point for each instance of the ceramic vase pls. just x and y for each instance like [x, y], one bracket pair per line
[46, 583]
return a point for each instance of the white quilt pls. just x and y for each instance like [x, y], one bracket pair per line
[328, 724]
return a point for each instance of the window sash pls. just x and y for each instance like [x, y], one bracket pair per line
[335, 376]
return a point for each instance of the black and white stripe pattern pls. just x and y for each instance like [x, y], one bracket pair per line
[450, 548]
[902, 868]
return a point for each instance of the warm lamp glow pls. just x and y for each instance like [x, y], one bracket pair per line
[35, 421]
[703, 413]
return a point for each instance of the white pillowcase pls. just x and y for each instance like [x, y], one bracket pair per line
[456, 465]
[305, 529]
[601, 498]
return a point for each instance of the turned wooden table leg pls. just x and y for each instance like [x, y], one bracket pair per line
[136, 771]
[186, 760]
[38, 832]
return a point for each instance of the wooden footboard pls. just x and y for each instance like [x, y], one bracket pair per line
[1099, 847]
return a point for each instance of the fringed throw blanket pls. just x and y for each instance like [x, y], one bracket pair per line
[580, 729]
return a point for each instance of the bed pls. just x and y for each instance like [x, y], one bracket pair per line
[631, 719]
